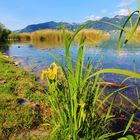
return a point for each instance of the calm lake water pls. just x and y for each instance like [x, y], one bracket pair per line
[105, 55]
[34, 58]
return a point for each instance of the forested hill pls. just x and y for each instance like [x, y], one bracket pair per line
[118, 20]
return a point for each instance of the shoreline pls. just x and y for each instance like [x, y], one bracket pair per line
[20, 92]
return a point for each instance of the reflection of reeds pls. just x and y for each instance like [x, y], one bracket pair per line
[91, 36]
[48, 44]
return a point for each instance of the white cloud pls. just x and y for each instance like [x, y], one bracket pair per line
[125, 3]
[93, 17]
[122, 12]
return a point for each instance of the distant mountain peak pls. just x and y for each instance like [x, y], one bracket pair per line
[119, 16]
[118, 20]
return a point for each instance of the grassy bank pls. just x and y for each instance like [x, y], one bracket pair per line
[92, 37]
[22, 102]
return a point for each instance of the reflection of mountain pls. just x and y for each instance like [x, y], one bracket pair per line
[118, 20]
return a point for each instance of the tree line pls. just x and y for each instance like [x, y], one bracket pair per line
[4, 33]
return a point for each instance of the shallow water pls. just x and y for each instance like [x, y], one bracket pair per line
[105, 54]
[34, 58]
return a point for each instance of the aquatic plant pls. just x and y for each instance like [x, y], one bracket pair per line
[24, 37]
[49, 35]
[92, 36]
[50, 73]
[76, 104]
[13, 36]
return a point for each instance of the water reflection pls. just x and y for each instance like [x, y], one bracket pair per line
[105, 54]
[35, 57]
[4, 47]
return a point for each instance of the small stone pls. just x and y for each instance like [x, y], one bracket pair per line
[3, 81]
[22, 101]
[17, 63]
[6, 56]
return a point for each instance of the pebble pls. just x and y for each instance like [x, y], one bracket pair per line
[16, 63]
[6, 56]
[3, 81]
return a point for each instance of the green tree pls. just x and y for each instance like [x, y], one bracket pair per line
[4, 33]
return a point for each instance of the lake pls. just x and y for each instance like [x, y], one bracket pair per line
[34, 58]
[106, 54]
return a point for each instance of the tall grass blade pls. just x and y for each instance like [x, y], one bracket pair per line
[129, 100]
[129, 124]
[116, 71]
[128, 37]
[109, 110]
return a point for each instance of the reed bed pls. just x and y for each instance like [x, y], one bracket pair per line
[91, 36]
[13, 37]
[77, 100]
[137, 35]
[24, 36]
[49, 35]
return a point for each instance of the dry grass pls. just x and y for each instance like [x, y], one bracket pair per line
[55, 37]
[137, 35]
[49, 35]
[24, 36]
[91, 36]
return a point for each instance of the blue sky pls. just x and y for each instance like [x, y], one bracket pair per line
[16, 14]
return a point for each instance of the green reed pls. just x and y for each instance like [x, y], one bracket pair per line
[77, 103]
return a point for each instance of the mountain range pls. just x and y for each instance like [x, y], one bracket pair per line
[118, 20]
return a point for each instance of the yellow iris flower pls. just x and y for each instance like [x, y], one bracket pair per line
[51, 72]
